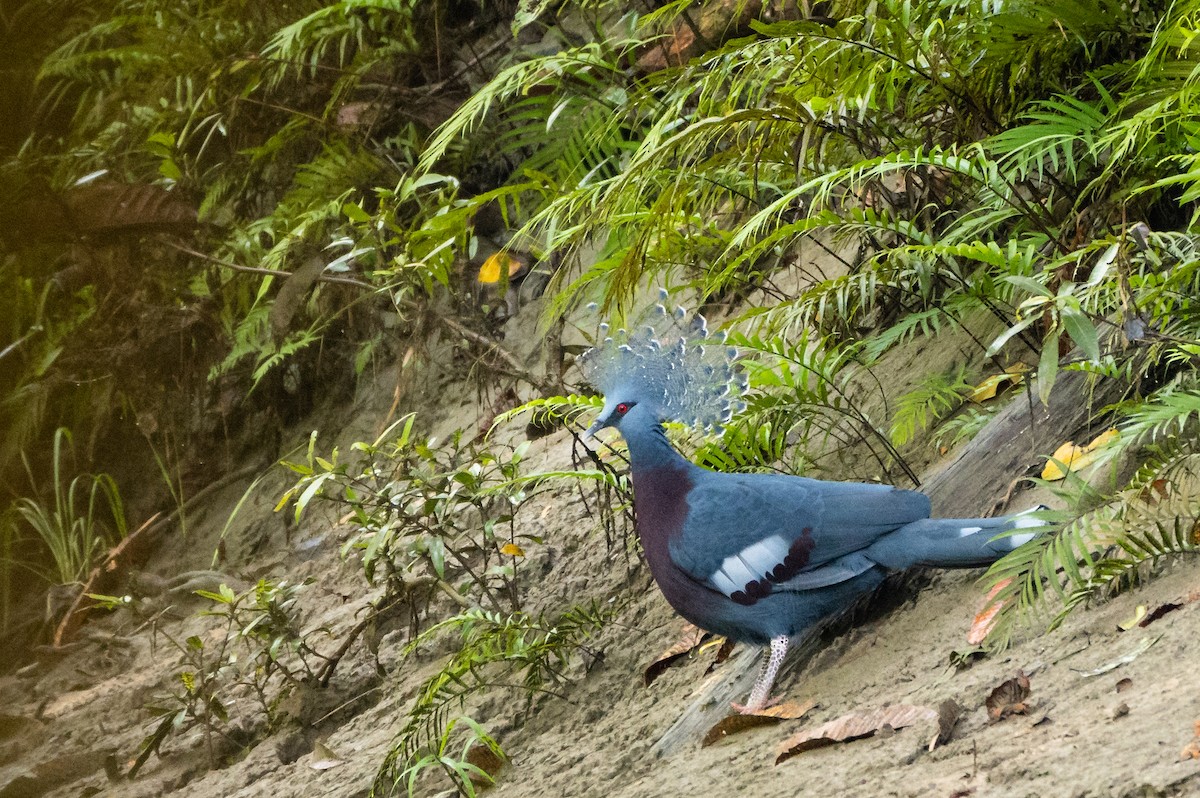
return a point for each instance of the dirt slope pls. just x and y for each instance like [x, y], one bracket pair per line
[70, 723]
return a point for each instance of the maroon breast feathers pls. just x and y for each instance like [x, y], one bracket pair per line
[660, 499]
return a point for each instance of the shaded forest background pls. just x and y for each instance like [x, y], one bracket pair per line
[221, 215]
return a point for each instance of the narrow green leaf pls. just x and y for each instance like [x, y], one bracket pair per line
[1082, 331]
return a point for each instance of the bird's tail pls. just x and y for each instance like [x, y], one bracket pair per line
[955, 542]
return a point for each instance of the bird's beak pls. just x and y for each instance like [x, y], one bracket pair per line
[600, 423]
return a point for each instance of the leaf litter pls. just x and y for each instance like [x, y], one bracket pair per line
[1009, 698]
[854, 726]
[738, 722]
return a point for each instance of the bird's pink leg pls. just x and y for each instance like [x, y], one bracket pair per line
[766, 678]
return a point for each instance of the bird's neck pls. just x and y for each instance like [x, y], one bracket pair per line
[662, 479]
[650, 450]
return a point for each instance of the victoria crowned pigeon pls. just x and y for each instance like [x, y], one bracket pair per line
[759, 558]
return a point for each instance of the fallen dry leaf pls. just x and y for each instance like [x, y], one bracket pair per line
[739, 722]
[1156, 491]
[1009, 698]
[690, 640]
[1074, 458]
[854, 726]
[489, 272]
[997, 382]
[487, 760]
[324, 757]
[1192, 749]
[985, 619]
[1159, 611]
[723, 653]
[1138, 614]
[1140, 649]
[948, 713]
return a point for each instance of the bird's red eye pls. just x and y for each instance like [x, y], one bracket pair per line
[622, 408]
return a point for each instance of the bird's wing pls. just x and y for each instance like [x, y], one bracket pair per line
[746, 533]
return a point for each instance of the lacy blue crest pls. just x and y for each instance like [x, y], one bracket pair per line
[670, 359]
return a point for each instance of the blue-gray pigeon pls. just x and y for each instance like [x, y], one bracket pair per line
[759, 558]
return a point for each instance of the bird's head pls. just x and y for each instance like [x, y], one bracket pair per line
[623, 411]
[665, 366]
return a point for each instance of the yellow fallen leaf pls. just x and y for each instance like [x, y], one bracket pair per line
[512, 550]
[489, 272]
[994, 384]
[1138, 614]
[1075, 458]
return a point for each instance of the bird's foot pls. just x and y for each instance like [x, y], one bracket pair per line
[753, 707]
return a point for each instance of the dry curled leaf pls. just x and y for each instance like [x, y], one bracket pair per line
[985, 619]
[324, 757]
[1159, 611]
[1192, 749]
[1139, 613]
[723, 652]
[487, 760]
[993, 385]
[739, 722]
[854, 726]
[690, 640]
[1009, 698]
[948, 713]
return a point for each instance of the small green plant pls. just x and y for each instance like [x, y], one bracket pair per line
[466, 775]
[935, 398]
[443, 515]
[86, 516]
[427, 513]
[962, 427]
[494, 648]
[260, 651]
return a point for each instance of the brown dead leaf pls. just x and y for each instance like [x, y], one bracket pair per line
[1160, 611]
[723, 651]
[690, 640]
[1156, 491]
[487, 760]
[1192, 749]
[739, 722]
[948, 713]
[985, 619]
[324, 757]
[854, 726]
[1009, 698]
